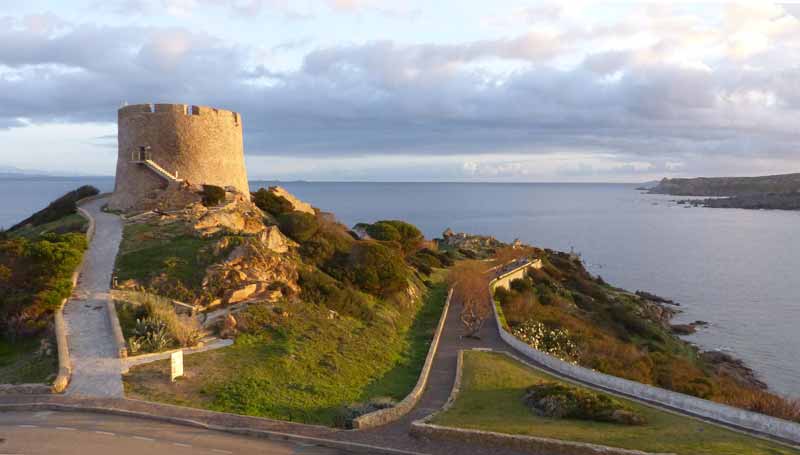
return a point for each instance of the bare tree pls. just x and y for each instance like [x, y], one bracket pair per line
[471, 287]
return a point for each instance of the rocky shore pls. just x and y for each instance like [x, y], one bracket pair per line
[661, 310]
[769, 201]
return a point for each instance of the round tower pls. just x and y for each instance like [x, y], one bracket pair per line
[163, 144]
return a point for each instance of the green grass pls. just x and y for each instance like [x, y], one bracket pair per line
[148, 250]
[166, 259]
[297, 363]
[21, 363]
[491, 396]
[69, 223]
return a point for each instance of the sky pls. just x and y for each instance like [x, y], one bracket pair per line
[373, 90]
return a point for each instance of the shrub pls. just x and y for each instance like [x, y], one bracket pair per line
[558, 400]
[521, 285]
[376, 269]
[213, 195]
[271, 202]
[158, 327]
[300, 226]
[425, 261]
[61, 207]
[319, 288]
[346, 414]
[502, 295]
[519, 308]
[37, 276]
[406, 235]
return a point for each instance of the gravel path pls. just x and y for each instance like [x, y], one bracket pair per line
[96, 370]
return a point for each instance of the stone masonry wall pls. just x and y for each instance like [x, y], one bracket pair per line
[202, 145]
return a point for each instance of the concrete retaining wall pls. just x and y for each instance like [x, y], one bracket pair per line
[384, 416]
[759, 423]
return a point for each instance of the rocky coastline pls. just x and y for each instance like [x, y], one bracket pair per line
[769, 201]
[662, 310]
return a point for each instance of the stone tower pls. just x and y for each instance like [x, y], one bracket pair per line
[167, 144]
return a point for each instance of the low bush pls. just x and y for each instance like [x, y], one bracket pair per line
[35, 276]
[300, 226]
[520, 308]
[521, 285]
[213, 195]
[558, 400]
[321, 289]
[271, 202]
[346, 414]
[375, 268]
[408, 236]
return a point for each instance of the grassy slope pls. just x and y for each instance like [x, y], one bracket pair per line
[302, 366]
[491, 399]
[69, 223]
[20, 362]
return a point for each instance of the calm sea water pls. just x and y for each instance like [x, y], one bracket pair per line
[733, 268]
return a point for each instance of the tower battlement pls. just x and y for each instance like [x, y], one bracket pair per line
[197, 144]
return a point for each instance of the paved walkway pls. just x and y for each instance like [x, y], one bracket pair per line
[96, 370]
[437, 391]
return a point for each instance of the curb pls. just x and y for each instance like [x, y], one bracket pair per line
[265, 434]
[385, 416]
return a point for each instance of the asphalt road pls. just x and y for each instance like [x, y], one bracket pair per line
[55, 433]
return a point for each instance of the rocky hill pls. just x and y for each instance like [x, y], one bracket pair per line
[729, 186]
[777, 192]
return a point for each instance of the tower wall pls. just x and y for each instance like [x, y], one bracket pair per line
[202, 145]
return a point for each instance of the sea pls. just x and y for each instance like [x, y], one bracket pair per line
[735, 269]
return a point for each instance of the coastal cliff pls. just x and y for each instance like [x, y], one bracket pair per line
[778, 192]
[729, 186]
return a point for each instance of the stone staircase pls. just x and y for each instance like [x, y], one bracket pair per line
[160, 171]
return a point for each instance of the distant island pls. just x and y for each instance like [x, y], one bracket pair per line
[778, 192]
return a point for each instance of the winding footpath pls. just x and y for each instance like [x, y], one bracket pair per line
[96, 369]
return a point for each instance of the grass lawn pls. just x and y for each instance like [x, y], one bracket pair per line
[147, 250]
[491, 399]
[20, 362]
[297, 363]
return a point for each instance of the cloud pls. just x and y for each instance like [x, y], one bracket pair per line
[677, 88]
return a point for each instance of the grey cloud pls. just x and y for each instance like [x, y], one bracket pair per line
[388, 98]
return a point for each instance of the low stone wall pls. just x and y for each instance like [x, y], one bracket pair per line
[746, 420]
[504, 280]
[116, 329]
[384, 416]
[530, 444]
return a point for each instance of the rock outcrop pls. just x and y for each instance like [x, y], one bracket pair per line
[478, 245]
[251, 271]
[297, 204]
[726, 365]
